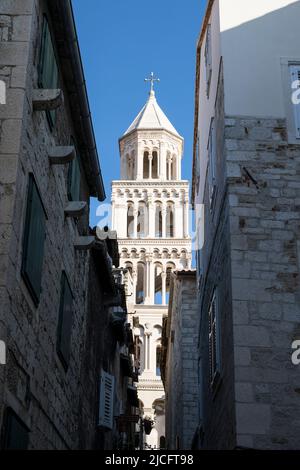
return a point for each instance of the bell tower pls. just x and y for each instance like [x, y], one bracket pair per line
[150, 212]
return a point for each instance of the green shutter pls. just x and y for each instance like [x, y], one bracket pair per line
[65, 322]
[48, 70]
[74, 179]
[34, 241]
[16, 434]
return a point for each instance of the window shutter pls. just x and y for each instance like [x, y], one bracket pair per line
[295, 76]
[34, 241]
[16, 434]
[65, 321]
[48, 70]
[74, 178]
[106, 403]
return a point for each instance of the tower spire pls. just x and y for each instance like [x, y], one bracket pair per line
[152, 79]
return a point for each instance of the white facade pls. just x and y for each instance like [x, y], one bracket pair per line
[256, 79]
[150, 207]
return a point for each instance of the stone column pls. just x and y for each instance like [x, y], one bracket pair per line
[139, 162]
[150, 166]
[151, 219]
[135, 215]
[151, 282]
[186, 216]
[164, 220]
[134, 281]
[164, 287]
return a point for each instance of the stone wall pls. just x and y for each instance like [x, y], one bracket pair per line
[34, 382]
[182, 410]
[263, 173]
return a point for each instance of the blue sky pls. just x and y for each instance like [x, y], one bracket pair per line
[121, 42]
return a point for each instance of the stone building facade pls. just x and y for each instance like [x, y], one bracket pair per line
[180, 361]
[150, 214]
[49, 169]
[246, 173]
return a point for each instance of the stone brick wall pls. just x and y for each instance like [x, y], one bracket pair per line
[182, 364]
[263, 172]
[34, 382]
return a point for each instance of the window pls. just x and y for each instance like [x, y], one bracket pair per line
[170, 220]
[212, 157]
[48, 70]
[158, 359]
[130, 221]
[106, 400]
[208, 59]
[140, 287]
[142, 228]
[154, 164]
[65, 321]
[146, 165]
[214, 339]
[158, 221]
[74, 177]
[173, 168]
[158, 284]
[295, 79]
[33, 242]
[16, 433]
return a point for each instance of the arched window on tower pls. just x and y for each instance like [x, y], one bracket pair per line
[169, 269]
[142, 228]
[158, 284]
[132, 166]
[168, 166]
[154, 165]
[146, 165]
[158, 220]
[130, 220]
[140, 285]
[173, 168]
[158, 359]
[170, 220]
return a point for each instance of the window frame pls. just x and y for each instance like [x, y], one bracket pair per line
[212, 164]
[9, 416]
[73, 174]
[46, 32]
[35, 294]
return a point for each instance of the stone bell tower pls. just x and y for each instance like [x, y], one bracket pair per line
[150, 212]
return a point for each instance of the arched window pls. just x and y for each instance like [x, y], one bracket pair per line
[158, 284]
[158, 221]
[170, 220]
[142, 221]
[173, 168]
[146, 165]
[130, 220]
[158, 359]
[140, 285]
[129, 268]
[154, 165]
[170, 268]
[168, 166]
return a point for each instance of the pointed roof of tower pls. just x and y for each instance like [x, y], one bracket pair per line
[152, 117]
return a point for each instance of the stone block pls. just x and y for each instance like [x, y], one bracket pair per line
[13, 53]
[17, 7]
[253, 418]
[249, 289]
[256, 336]
[242, 356]
[244, 392]
[22, 28]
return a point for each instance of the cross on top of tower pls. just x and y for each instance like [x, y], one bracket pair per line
[152, 79]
